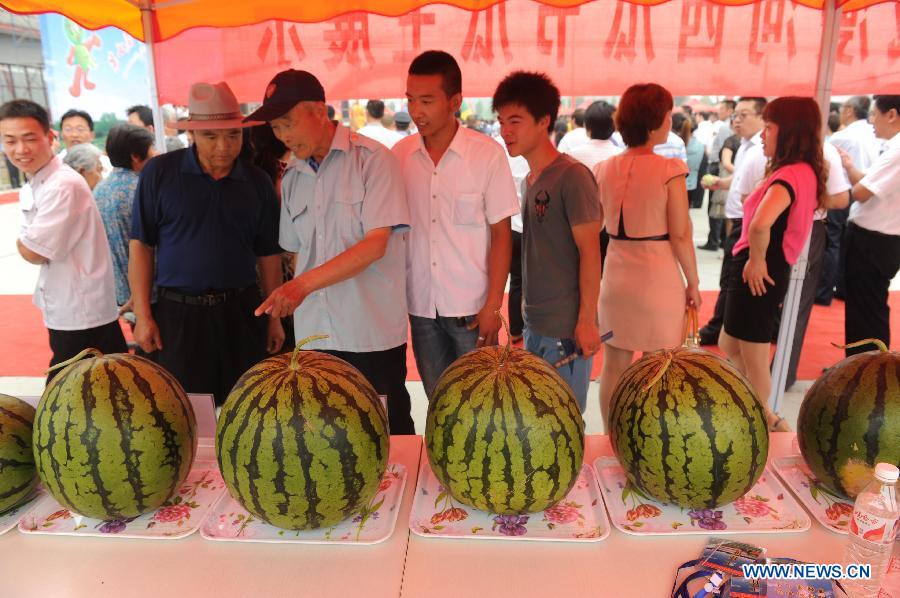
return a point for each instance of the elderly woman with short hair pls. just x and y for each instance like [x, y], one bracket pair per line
[84, 159]
[129, 147]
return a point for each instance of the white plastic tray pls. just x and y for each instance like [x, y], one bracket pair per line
[767, 509]
[179, 517]
[579, 517]
[230, 522]
[10, 518]
[830, 509]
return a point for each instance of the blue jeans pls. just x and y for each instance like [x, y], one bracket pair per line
[577, 373]
[438, 342]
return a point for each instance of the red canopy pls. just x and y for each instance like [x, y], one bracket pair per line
[171, 17]
[771, 47]
[761, 47]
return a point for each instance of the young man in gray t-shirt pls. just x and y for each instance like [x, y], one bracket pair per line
[561, 231]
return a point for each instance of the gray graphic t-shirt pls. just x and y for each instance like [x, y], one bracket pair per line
[563, 196]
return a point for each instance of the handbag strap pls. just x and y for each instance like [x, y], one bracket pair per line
[691, 328]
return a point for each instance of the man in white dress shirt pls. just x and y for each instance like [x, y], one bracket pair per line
[871, 244]
[598, 122]
[577, 136]
[461, 197]
[749, 169]
[856, 138]
[64, 235]
[374, 127]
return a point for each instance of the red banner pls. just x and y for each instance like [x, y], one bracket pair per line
[691, 46]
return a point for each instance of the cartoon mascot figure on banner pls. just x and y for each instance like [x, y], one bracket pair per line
[80, 56]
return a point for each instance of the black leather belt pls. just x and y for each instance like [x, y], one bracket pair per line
[664, 237]
[206, 300]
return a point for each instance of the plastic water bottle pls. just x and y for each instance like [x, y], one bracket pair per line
[873, 529]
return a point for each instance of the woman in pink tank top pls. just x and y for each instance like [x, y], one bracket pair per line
[780, 216]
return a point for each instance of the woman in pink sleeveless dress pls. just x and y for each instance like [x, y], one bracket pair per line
[644, 201]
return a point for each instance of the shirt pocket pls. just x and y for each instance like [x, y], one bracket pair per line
[468, 209]
[301, 220]
[349, 219]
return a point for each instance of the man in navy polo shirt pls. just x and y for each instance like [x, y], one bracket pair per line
[209, 220]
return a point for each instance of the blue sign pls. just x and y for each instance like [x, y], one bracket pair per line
[103, 71]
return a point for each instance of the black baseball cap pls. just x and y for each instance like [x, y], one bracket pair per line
[402, 117]
[285, 90]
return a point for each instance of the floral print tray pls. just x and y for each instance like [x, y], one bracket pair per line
[831, 509]
[767, 508]
[580, 517]
[180, 516]
[230, 522]
[10, 517]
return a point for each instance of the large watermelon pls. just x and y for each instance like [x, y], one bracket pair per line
[114, 436]
[302, 440]
[18, 476]
[688, 428]
[504, 432]
[850, 420]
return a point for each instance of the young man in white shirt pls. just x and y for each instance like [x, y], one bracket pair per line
[461, 197]
[598, 122]
[577, 136]
[374, 127]
[64, 235]
[872, 242]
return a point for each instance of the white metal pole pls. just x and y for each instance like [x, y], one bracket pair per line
[828, 49]
[159, 125]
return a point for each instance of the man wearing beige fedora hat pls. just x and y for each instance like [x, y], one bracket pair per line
[344, 213]
[208, 220]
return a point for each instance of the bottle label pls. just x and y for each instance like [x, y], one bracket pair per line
[880, 530]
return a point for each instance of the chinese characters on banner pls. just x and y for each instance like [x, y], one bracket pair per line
[770, 47]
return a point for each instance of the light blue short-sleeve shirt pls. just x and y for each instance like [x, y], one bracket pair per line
[357, 188]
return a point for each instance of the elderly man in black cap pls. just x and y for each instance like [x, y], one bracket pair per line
[208, 220]
[344, 212]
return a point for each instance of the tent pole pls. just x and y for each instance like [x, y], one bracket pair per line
[828, 50]
[831, 26]
[159, 126]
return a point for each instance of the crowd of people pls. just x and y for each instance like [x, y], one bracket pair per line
[287, 224]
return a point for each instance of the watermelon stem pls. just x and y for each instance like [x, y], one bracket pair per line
[660, 372]
[869, 341]
[79, 357]
[508, 346]
[296, 354]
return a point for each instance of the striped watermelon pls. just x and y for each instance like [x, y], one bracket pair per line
[114, 436]
[850, 420]
[504, 432]
[302, 440]
[18, 476]
[688, 429]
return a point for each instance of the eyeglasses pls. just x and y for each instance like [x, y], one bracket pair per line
[742, 115]
[75, 130]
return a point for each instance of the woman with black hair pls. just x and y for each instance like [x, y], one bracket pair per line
[780, 216]
[129, 147]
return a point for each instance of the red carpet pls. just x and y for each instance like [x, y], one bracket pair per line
[26, 352]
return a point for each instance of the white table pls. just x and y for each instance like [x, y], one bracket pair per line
[620, 566]
[67, 567]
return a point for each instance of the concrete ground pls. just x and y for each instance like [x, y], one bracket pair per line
[18, 278]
